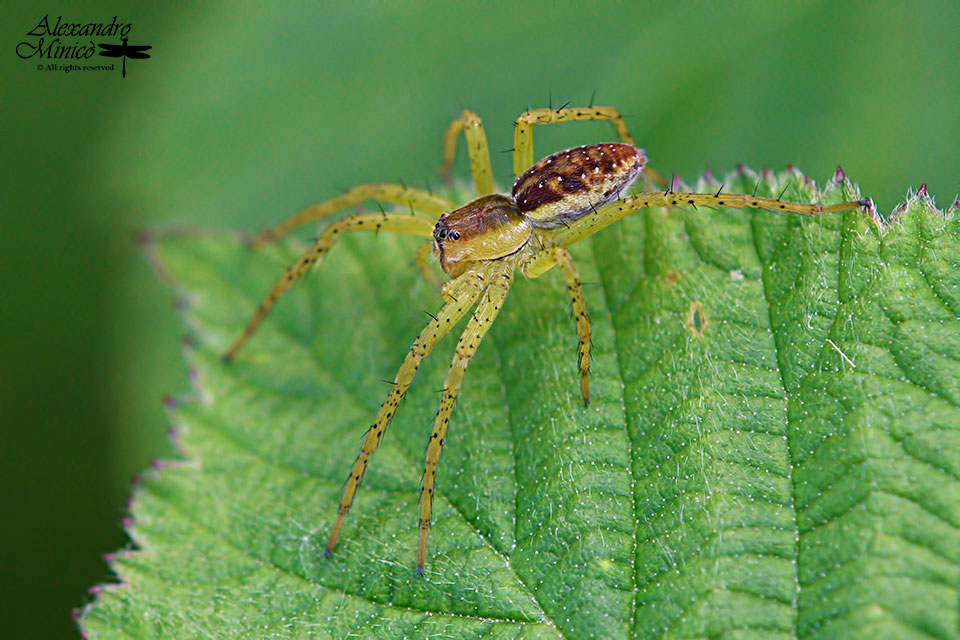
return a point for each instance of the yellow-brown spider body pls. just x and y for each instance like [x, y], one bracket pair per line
[555, 191]
[560, 200]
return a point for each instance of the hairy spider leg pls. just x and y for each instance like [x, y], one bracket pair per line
[393, 222]
[416, 199]
[468, 288]
[421, 260]
[608, 214]
[541, 262]
[523, 133]
[479, 154]
[500, 274]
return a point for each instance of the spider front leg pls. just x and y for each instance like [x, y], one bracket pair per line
[523, 133]
[499, 275]
[479, 154]
[608, 214]
[415, 199]
[468, 289]
[541, 262]
[393, 222]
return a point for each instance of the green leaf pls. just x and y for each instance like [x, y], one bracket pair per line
[772, 449]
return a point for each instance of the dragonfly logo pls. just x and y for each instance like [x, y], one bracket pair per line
[60, 41]
[124, 51]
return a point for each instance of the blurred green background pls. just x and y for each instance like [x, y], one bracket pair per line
[245, 114]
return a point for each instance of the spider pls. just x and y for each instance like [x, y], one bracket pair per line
[555, 202]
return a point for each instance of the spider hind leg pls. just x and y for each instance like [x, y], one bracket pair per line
[471, 126]
[608, 214]
[523, 133]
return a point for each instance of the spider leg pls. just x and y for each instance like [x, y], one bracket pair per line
[523, 133]
[393, 222]
[472, 127]
[541, 262]
[500, 274]
[416, 199]
[420, 260]
[608, 214]
[468, 288]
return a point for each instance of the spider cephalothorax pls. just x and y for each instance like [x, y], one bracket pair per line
[488, 228]
[555, 202]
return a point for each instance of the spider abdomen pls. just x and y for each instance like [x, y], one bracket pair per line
[567, 185]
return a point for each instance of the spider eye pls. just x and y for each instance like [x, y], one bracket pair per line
[454, 235]
[441, 234]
